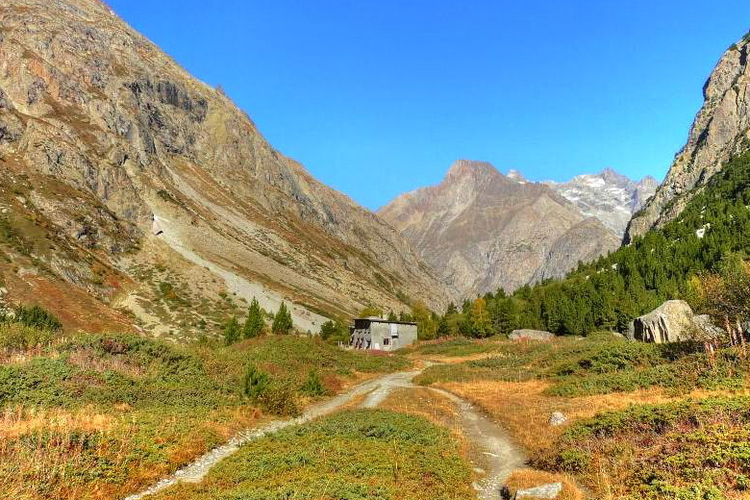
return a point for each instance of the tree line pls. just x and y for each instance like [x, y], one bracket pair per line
[671, 262]
[255, 323]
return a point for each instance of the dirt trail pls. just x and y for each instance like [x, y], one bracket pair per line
[491, 450]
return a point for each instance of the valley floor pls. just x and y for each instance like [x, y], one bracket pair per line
[108, 416]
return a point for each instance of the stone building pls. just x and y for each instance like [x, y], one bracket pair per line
[382, 335]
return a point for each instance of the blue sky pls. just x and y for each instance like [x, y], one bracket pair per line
[378, 97]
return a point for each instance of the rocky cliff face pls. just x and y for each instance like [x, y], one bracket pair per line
[608, 196]
[720, 130]
[136, 182]
[482, 230]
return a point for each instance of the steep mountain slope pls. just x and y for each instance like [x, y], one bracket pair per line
[720, 130]
[482, 230]
[610, 197]
[125, 180]
[712, 234]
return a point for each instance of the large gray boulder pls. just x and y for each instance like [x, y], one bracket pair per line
[673, 321]
[551, 490]
[530, 335]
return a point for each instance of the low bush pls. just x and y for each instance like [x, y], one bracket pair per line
[362, 454]
[683, 450]
[600, 364]
[256, 382]
[124, 410]
[33, 317]
[453, 347]
[17, 336]
[313, 386]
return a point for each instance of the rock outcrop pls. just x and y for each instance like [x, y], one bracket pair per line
[481, 230]
[557, 419]
[102, 134]
[549, 490]
[720, 130]
[673, 321]
[525, 334]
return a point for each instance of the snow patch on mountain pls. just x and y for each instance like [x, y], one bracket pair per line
[608, 196]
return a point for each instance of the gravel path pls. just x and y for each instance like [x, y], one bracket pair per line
[491, 450]
[195, 471]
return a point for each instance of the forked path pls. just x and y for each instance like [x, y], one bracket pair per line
[491, 448]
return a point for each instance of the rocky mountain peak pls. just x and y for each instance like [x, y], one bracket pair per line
[515, 175]
[477, 170]
[720, 130]
[609, 196]
[481, 230]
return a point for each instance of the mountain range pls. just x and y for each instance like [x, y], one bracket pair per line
[482, 230]
[133, 196]
[720, 131]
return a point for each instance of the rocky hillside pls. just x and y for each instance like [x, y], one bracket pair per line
[720, 130]
[610, 197]
[133, 193]
[482, 230]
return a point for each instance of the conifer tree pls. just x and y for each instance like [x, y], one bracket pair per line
[254, 324]
[282, 321]
[479, 319]
[443, 329]
[231, 331]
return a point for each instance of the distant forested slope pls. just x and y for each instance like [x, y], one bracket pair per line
[610, 292]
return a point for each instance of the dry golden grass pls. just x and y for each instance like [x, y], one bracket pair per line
[425, 403]
[15, 422]
[40, 447]
[529, 478]
[446, 359]
[88, 359]
[523, 409]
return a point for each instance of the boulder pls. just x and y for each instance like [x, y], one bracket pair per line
[630, 334]
[673, 321]
[704, 322]
[530, 335]
[551, 490]
[557, 418]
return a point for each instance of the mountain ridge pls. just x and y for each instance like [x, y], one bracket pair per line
[720, 131]
[92, 110]
[482, 230]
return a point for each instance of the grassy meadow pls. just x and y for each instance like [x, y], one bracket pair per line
[101, 416]
[644, 420]
[356, 454]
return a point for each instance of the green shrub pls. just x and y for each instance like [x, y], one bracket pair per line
[35, 317]
[280, 398]
[356, 455]
[313, 386]
[256, 382]
[683, 450]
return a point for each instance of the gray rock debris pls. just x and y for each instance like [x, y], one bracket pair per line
[551, 490]
[557, 418]
[530, 335]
